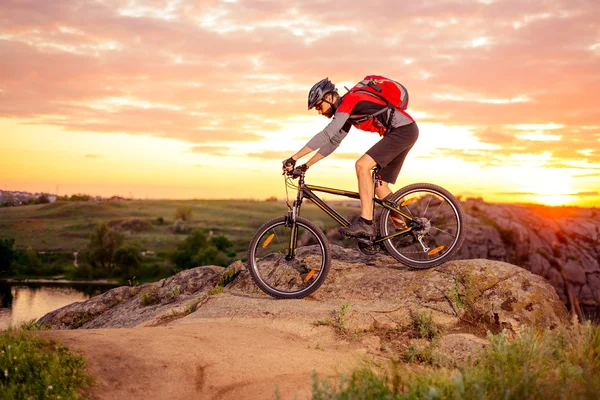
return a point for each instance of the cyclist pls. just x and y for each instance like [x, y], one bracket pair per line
[399, 133]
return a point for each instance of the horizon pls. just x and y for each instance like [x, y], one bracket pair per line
[174, 99]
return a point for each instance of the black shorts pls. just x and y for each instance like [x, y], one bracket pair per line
[389, 153]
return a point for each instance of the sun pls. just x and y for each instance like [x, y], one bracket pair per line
[553, 189]
[553, 199]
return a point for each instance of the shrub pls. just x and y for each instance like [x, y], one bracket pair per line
[423, 326]
[7, 255]
[31, 368]
[197, 249]
[184, 213]
[104, 242]
[128, 258]
[556, 364]
[136, 225]
[149, 297]
[179, 226]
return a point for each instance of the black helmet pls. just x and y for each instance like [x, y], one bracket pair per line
[318, 91]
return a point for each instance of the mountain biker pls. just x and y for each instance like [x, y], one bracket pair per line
[398, 136]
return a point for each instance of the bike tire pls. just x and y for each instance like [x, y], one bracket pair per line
[398, 251]
[257, 272]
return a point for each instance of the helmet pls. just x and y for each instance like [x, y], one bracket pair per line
[318, 91]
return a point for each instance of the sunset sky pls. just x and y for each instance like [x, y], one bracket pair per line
[205, 98]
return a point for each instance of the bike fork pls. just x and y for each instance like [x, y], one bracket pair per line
[291, 222]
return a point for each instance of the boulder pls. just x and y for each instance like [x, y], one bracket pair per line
[373, 292]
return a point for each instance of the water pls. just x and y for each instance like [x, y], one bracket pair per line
[22, 302]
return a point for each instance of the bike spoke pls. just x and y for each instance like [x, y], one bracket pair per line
[431, 219]
[441, 230]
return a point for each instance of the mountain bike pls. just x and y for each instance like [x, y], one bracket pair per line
[289, 256]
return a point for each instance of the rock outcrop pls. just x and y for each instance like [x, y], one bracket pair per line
[561, 244]
[470, 296]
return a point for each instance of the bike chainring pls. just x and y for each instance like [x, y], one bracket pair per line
[368, 249]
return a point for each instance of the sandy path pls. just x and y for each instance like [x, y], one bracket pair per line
[209, 359]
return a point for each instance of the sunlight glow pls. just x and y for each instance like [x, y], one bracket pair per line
[538, 127]
[539, 137]
[477, 99]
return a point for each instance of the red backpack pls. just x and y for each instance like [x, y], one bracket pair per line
[391, 92]
[386, 89]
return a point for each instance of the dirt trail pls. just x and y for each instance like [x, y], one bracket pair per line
[208, 359]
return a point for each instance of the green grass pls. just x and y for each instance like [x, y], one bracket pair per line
[32, 368]
[66, 226]
[560, 364]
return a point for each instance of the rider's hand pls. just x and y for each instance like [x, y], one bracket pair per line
[288, 164]
[302, 167]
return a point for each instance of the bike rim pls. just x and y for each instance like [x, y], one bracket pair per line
[294, 276]
[442, 229]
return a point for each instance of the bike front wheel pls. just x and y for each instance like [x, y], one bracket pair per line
[439, 233]
[283, 273]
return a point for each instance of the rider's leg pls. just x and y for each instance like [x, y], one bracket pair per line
[383, 190]
[364, 165]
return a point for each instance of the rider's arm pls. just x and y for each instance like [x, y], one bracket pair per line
[304, 151]
[332, 129]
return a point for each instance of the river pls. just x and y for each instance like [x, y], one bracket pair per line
[22, 302]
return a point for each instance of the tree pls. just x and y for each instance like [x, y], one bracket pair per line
[198, 249]
[104, 242]
[7, 255]
[184, 213]
[128, 259]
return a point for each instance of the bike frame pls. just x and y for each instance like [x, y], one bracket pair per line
[307, 192]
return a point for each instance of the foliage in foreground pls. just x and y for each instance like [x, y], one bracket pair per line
[32, 368]
[538, 365]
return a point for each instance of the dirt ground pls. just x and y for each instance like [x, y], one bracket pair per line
[209, 359]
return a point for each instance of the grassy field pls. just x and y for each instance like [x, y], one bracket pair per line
[66, 226]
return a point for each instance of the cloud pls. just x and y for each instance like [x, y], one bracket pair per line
[579, 194]
[212, 150]
[215, 72]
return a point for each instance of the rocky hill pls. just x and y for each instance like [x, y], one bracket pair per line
[561, 244]
[218, 336]
[476, 295]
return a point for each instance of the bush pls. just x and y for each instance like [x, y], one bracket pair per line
[560, 364]
[197, 249]
[184, 213]
[31, 368]
[103, 244]
[128, 258]
[7, 255]
[179, 226]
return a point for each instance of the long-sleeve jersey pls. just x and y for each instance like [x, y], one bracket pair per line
[350, 108]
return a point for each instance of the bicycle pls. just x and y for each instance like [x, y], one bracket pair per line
[289, 256]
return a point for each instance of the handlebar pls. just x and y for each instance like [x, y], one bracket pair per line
[295, 173]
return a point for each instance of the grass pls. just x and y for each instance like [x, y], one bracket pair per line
[338, 320]
[559, 364]
[62, 228]
[149, 297]
[66, 226]
[32, 368]
[423, 325]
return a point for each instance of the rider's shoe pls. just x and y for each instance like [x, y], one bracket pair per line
[359, 229]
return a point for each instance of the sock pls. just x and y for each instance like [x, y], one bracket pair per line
[366, 221]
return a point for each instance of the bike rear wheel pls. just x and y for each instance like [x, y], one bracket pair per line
[441, 218]
[280, 274]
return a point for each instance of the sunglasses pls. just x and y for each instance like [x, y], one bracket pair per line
[319, 105]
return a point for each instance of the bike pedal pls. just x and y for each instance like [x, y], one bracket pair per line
[365, 241]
